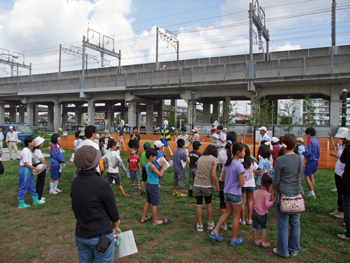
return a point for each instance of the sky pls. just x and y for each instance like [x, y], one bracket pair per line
[204, 28]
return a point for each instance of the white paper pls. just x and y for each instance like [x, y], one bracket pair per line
[160, 162]
[128, 245]
[214, 137]
[183, 164]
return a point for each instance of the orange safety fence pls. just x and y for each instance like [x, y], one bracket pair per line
[326, 161]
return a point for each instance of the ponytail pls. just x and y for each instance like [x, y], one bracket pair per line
[229, 156]
[237, 147]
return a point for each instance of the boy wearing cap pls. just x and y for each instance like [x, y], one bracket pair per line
[135, 168]
[301, 149]
[184, 137]
[194, 156]
[180, 160]
[312, 155]
[144, 162]
[263, 135]
[157, 146]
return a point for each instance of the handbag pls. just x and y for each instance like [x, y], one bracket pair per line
[293, 204]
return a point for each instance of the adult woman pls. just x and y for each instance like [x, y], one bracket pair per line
[287, 181]
[94, 207]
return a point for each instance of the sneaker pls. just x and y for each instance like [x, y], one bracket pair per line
[126, 195]
[309, 194]
[113, 182]
[242, 222]
[181, 195]
[58, 190]
[133, 186]
[53, 192]
[139, 187]
[334, 190]
[128, 175]
[42, 199]
[334, 213]
[339, 215]
[343, 236]
[143, 193]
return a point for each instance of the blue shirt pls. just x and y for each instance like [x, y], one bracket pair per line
[152, 178]
[160, 154]
[312, 152]
[262, 163]
[179, 156]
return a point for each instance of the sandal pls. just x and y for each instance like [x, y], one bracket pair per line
[242, 222]
[174, 193]
[230, 226]
[211, 225]
[258, 243]
[199, 226]
[216, 236]
[267, 245]
[236, 243]
[249, 222]
[148, 218]
[165, 222]
[223, 228]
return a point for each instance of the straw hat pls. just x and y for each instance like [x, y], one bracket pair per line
[87, 157]
[106, 133]
[341, 132]
[38, 141]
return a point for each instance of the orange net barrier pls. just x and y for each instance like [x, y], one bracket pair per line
[326, 161]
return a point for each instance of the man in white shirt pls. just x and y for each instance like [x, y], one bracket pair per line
[11, 142]
[1, 140]
[263, 135]
[221, 142]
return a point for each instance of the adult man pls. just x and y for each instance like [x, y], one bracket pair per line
[11, 142]
[221, 142]
[90, 134]
[1, 140]
[185, 137]
[263, 135]
[135, 139]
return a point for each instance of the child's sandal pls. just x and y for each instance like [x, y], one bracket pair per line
[199, 226]
[258, 243]
[236, 243]
[211, 225]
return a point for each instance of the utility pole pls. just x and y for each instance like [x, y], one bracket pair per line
[251, 32]
[343, 115]
[157, 45]
[83, 57]
[177, 50]
[59, 61]
[12, 63]
[334, 7]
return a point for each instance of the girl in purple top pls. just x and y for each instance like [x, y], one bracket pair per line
[233, 174]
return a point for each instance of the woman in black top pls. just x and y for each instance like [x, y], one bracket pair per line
[94, 207]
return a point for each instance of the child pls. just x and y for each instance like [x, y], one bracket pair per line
[121, 163]
[103, 152]
[39, 162]
[194, 156]
[203, 184]
[195, 137]
[26, 178]
[233, 175]
[265, 165]
[76, 140]
[144, 162]
[57, 160]
[135, 168]
[180, 160]
[152, 189]
[250, 168]
[300, 149]
[261, 202]
[157, 146]
[311, 154]
[275, 149]
[114, 160]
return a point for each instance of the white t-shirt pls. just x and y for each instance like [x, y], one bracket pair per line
[26, 156]
[37, 156]
[113, 160]
[222, 157]
[249, 175]
[75, 145]
[339, 166]
[222, 143]
[264, 138]
[88, 142]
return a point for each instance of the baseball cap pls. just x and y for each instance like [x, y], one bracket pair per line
[60, 129]
[263, 128]
[11, 127]
[274, 139]
[299, 139]
[183, 128]
[195, 130]
[158, 144]
[147, 145]
[196, 145]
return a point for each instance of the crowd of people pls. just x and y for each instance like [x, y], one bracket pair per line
[244, 179]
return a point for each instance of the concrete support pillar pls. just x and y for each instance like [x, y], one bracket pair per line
[161, 109]
[36, 114]
[123, 111]
[12, 115]
[110, 115]
[149, 117]
[30, 114]
[91, 112]
[21, 114]
[50, 116]
[64, 114]
[206, 113]
[174, 104]
[57, 123]
[191, 113]
[78, 113]
[216, 111]
[132, 112]
[2, 113]
[334, 108]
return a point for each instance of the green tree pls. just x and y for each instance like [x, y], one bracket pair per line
[228, 112]
[261, 113]
[170, 116]
[308, 119]
[287, 118]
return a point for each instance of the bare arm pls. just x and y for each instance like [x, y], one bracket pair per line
[215, 179]
[241, 180]
[35, 169]
[153, 169]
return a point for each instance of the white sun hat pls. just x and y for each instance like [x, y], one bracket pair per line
[341, 132]
[347, 135]
[38, 141]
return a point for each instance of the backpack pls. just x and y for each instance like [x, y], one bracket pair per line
[268, 168]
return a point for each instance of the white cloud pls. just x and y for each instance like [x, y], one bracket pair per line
[288, 47]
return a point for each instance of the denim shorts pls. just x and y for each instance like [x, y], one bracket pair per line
[233, 199]
[259, 220]
[134, 175]
[249, 190]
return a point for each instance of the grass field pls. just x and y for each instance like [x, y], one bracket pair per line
[46, 233]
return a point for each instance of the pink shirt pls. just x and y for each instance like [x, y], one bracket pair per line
[195, 137]
[261, 201]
